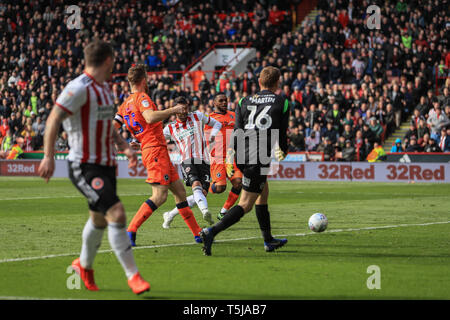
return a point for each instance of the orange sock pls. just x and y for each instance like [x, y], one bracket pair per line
[232, 197]
[188, 217]
[144, 212]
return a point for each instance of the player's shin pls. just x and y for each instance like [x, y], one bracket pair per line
[191, 204]
[232, 197]
[200, 198]
[92, 239]
[263, 216]
[188, 217]
[233, 216]
[144, 212]
[120, 243]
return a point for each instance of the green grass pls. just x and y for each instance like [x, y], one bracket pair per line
[38, 220]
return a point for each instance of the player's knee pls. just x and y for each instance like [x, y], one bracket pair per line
[159, 197]
[116, 214]
[220, 188]
[237, 184]
[247, 206]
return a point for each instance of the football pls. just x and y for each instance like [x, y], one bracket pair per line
[318, 222]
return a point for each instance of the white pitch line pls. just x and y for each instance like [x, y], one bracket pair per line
[73, 196]
[33, 298]
[230, 240]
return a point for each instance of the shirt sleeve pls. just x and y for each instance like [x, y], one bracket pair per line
[119, 117]
[166, 132]
[72, 98]
[216, 126]
[145, 103]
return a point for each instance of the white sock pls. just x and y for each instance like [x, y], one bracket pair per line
[121, 245]
[223, 210]
[191, 203]
[200, 198]
[92, 239]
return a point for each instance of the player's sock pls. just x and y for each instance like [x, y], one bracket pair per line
[263, 216]
[233, 215]
[232, 197]
[92, 238]
[144, 212]
[188, 217]
[212, 188]
[200, 198]
[120, 243]
[191, 203]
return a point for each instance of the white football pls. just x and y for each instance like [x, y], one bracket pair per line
[318, 222]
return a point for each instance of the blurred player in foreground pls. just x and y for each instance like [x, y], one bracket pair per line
[85, 107]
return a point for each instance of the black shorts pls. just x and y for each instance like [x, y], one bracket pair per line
[254, 177]
[196, 170]
[97, 183]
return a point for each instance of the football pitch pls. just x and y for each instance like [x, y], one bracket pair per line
[401, 229]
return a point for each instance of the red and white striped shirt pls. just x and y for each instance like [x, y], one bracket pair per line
[89, 126]
[189, 135]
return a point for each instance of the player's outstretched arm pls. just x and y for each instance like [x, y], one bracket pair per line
[47, 165]
[152, 116]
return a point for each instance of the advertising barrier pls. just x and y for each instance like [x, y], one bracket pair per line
[418, 157]
[299, 171]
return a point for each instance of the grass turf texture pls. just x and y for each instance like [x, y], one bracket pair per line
[38, 220]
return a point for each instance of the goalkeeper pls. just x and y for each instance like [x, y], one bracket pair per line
[261, 124]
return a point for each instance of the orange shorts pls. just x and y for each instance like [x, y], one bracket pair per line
[160, 169]
[219, 173]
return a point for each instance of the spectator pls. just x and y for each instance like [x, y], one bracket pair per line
[348, 152]
[397, 147]
[312, 142]
[435, 121]
[62, 143]
[297, 140]
[413, 146]
[444, 140]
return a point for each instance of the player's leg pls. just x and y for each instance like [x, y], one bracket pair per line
[89, 180]
[200, 198]
[159, 196]
[218, 178]
[91, 240]
[169, 215]
[158, 165]
[177, 188]
[120, 243]
[233, 195]
[263, 216]
[235, 214]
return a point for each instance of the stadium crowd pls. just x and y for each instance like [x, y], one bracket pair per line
[349, 86]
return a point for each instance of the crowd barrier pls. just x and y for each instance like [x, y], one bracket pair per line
[298, 171]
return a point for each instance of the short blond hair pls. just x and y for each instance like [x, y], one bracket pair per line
[269, 77]
[136, 74]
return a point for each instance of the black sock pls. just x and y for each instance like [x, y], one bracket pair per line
[233, 215]
[263, 216]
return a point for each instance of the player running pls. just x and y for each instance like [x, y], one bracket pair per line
[218, 155]
[144, 122]
[187, 133]
[85, 107]
[261, 122]
[219, 152]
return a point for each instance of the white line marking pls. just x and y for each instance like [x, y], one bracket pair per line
[230, 240]
[33, 298]
[73, 196]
